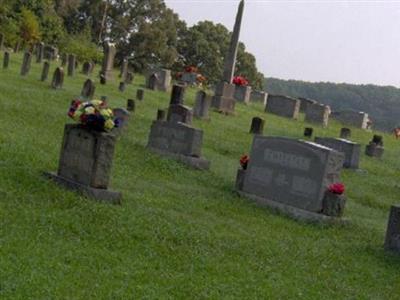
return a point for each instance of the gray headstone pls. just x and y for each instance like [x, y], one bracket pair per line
[304, 102]
[58, 78]
[50, 52]
[108, 60]
[392, 241]
[242, 93]
[352, 118]
[121, 86]
[317, 114]
[88, 89]
[130, 105]
[160, 115]
[87, 68]
[39, 52]
[202, 105]
[180, 113]
[292, 172]
[223, 100]
[86, 156]
[1, 41]
[71, 64]
[283, 106]
[257, 125]
[375, 147]
[140, 94]
[159, 80]
[124, 69]
[6, 60]
[45, 71]
[26, 63]
[259, 96]
[177, 94]
[350, 149]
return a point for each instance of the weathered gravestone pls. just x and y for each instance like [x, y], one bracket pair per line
[223, 100]
[158, 80]
[87, 68]
[175, 137]
[39, 52]
[124, 69]
[71, 64]
[318, 114]
[242, 93]
[202, 105]
[308, 132]
[352, 118]
[58, 78]
[88, 89]
[375, 147]
[108, 60]
[26, 63]
[257, 125]
[160, 115]
[392, 240]
[1, 41]
[130, 105]
[6, 60]
[177, 94]
[122, 86]
[283, 106]
[345, 133]
[290, 175]
[50, 52]
[305, 102]
[103, 79]
[140, 94]
[85, 163]
[350, 150]
[129, 78]
[259, 96]
[16, 46]
[45, 71]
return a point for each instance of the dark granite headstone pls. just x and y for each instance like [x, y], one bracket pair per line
[87, 68]
[39, 52]
[103, 79]
[350, 149]
[45, 71]
[180, 113]
[283, 106]
[130, 105]
[1, 41]
[6, 60]
[257, 125]
[375, 147]
[202, 105]
[160, 115]
[308, 132]
[58, 78]
[177, 95]
[392, 240]
[121, 87]
[345, 133]
[284, 173]
[88, 89]
[140, 94]
[317, 114]
[26, 63]
[71, 64]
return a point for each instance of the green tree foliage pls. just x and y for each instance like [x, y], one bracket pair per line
[380, 102]
[29, 27]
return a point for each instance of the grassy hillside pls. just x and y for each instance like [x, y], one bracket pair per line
[381, 102]
[180, 233]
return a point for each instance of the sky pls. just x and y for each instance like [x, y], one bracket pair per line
[337, 41]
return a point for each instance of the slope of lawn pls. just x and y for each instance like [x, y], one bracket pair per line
[180, 233]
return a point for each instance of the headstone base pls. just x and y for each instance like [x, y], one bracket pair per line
[374, 150]
[103, 195]
[191, 161]
[223, 105]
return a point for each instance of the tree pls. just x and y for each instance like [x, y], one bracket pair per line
[29, 27]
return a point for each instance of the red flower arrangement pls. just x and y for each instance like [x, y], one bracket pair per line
[191, 69]
[240, 80]
[244, 160]
[337, 188]
[200, 78]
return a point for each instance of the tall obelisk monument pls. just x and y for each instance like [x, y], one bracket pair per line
[223, 100]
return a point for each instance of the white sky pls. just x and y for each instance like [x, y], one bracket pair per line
[337, 41]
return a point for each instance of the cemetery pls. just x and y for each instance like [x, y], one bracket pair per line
[119, 184]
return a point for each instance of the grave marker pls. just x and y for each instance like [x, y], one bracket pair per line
[283, 106]
[88, 89]
[392, 240]
[58, 78]
[71, 64]
[259, 96]
[130, 105]
[257, 125]
[87, 68]
[242, 94]
[350, 149]
[345, 133]
[6, 60]
[140, 94]
[317, 114]
[39, 52]
[202, 105]
[375, 147]
[45, 71]
[26, 63]
[108, 60]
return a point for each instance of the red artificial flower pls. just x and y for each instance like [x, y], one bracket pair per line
[240, 80]
[244, 160]
[337, 188]
[191, 69]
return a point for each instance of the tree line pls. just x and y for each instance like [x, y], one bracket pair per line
[380, 102]
[147, 31]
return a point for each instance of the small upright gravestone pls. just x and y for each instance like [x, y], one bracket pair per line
[88, 89]
[87, 68]
[258, 96]
[16, 46]
[130, 105]
[45, 71]
[160, 115]
[350, 149]
[317, 114]
[39, 52]
[242, 93]
[1, 41]
[71, 64]
[108, 60]
[124, 69]
[308, 132]
[283, 106]
[58, 78]
[291, 176]
[257, 125]
[345, 133]
[392, 240]
[202, 105]
[86, 161]
[177, 95]
[175, 137]
[26, 63]
[6, 59]
[140, 94]
[121, 86]
[375, 147]
[129, 78]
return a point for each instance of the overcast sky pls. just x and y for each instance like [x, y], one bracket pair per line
[337, 41]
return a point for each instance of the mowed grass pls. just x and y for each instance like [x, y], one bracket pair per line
[180, 233]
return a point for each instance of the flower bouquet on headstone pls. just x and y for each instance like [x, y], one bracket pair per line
[93, 114]
[240, 80]
[334, 200]
[244, 160]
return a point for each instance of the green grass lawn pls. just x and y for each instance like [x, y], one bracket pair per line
[180, 233]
